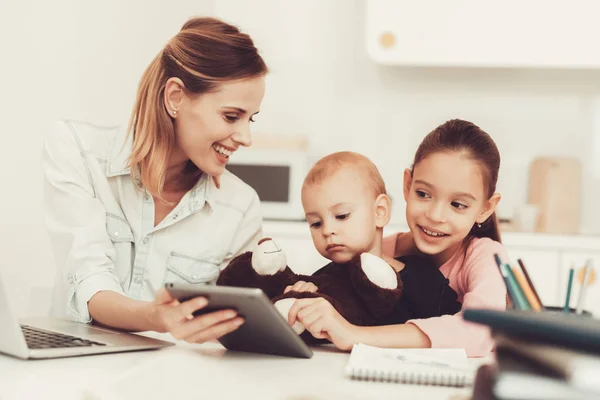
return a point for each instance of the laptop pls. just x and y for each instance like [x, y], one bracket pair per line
[38, 338]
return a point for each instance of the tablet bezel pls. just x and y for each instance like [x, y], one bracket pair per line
[264, 331]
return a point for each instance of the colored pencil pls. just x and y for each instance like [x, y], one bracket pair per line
[523, 303]
[530, 282]
[526, 289]
[569, 286]
[584, 286]
[512, 286]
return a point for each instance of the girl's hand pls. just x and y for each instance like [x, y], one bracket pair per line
[169, 315]
[301, 286]
[324, 322]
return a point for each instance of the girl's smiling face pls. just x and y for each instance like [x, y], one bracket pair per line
[445, 196]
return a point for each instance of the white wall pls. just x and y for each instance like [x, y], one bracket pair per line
[324, 85]
[64, 59]
[82, 60]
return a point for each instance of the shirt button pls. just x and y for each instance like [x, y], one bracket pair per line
[175, 216]
[146, 197]
[194, 277]
[146, 239]
[71, 278]
[116, 234]
[137, 279]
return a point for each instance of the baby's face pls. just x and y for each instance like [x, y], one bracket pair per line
[341, 214]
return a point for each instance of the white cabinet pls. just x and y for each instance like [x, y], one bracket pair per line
[474, 33]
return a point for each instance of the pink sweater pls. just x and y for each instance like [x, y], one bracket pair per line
[478, 283]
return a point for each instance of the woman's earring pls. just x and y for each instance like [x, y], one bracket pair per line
[174, 112]
[478, 225]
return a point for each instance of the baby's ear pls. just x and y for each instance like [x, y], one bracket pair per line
[383, 210]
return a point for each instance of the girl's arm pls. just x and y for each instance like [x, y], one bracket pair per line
[324, 322]
[393, 336]
[484, 288]
[399, 244]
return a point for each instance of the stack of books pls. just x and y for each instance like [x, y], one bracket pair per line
[540, 355]
[541, 352]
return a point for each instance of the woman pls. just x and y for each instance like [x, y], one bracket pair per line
[131, 208]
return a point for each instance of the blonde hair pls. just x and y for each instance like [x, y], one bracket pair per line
[329, 165]
[205, 53]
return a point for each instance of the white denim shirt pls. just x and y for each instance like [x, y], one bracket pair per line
[101, 223]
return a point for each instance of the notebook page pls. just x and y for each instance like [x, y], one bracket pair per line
[436, 366]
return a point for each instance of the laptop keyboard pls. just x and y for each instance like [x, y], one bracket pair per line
[40, 339]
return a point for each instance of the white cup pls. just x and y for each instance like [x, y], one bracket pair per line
[527, 215]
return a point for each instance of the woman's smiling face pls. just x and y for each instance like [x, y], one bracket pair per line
[210, 127]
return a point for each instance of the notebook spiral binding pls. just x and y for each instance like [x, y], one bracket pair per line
[457, 379]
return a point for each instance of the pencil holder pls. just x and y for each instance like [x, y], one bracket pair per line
[561, 310]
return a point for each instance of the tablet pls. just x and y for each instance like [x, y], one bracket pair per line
[264, 330]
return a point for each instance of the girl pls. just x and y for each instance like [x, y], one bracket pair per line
[450, 197]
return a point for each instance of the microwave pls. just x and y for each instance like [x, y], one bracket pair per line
[277, 176]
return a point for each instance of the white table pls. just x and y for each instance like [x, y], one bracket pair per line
[201, 371]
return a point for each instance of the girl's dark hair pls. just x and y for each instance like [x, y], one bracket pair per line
[468, 139]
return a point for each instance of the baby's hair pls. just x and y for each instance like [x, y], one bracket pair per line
[329, 165]
[470, 140]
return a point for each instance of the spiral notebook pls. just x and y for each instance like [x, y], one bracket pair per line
[444, 367]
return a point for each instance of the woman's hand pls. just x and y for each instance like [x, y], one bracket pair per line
[324, 322]
[169, 315]
[301, 286]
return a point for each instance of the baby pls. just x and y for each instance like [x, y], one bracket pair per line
[347, 207]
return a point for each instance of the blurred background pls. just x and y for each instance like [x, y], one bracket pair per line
[369, 76]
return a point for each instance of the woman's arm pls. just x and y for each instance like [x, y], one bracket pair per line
[116, 310]
[76, 224]
[164, 314]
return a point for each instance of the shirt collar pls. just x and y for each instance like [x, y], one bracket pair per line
[118, 164]
[203, 193]
[118, 159]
